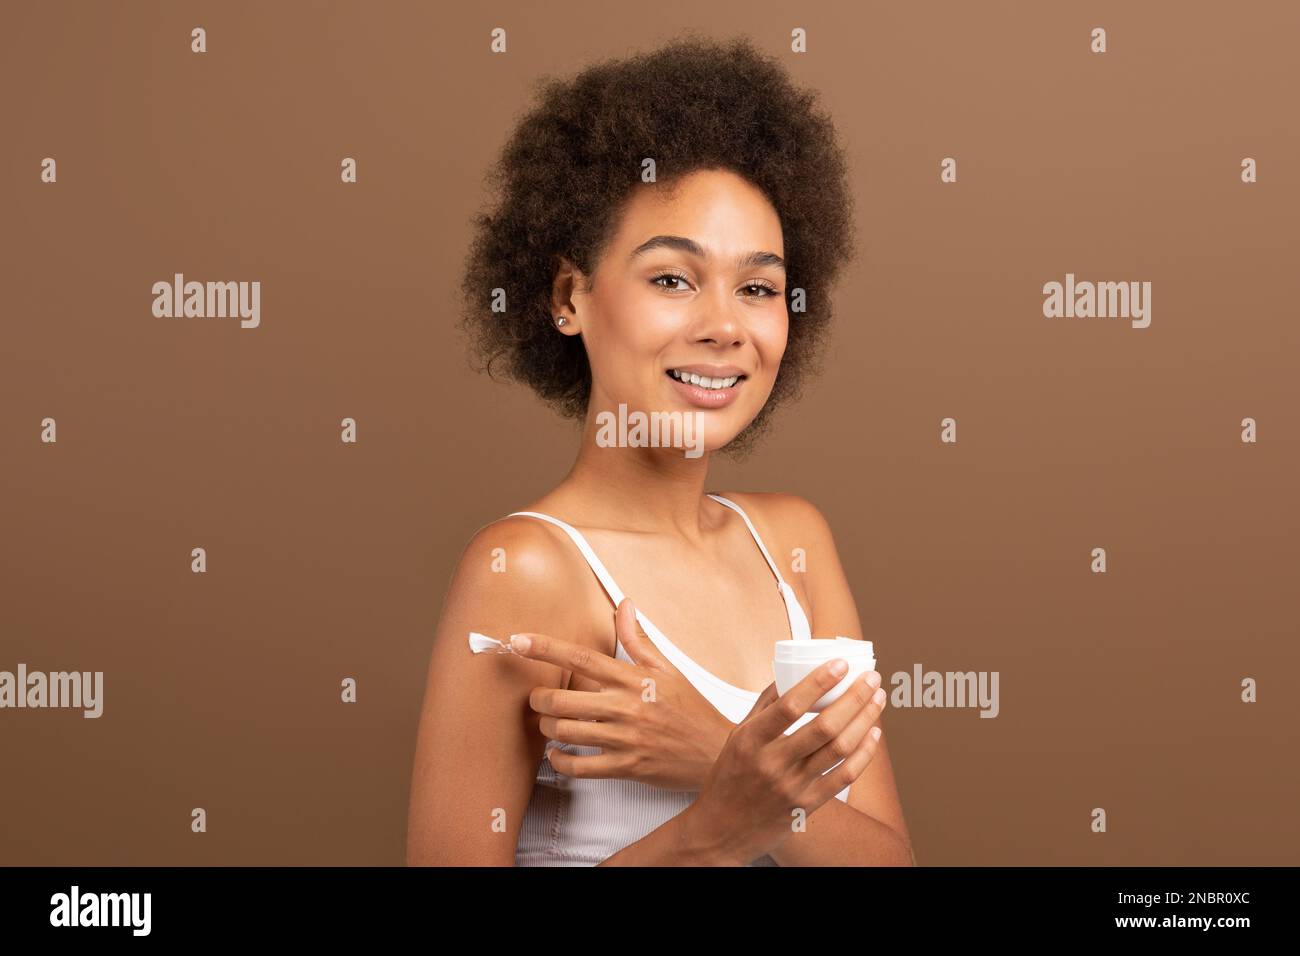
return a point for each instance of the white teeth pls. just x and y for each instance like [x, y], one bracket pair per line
[704, 381]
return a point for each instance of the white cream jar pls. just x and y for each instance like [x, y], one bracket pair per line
[795, 660]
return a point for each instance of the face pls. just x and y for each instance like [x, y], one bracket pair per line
[687, 312]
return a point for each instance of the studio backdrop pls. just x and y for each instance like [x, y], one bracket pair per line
[1057, 429]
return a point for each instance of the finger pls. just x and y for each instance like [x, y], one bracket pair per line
[572, 656]
[855, 726]
[823, 729]
[777, 717]
[769, 694]
[587, 733]
[634, 639]
[829, 784]
[594, 767]
[578, 704]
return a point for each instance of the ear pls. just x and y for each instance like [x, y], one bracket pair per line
[566, 288]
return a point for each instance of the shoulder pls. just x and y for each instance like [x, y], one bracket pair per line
[524, 570]
[519, 552]
[527, 547]
[789, 518]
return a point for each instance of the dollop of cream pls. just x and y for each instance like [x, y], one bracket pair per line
[482, 644]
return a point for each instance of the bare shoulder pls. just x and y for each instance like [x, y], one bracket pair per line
[521, 574]
[524, 550]
[791, 519]
[521, 559]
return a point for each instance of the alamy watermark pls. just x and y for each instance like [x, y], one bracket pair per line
[921, 688]
[638, 429]
[1101, 300]
[72, 689]
[209, 300]
[75, 908]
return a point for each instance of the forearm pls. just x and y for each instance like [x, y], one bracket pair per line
[837, 835]
[675, 843]
[840, 835]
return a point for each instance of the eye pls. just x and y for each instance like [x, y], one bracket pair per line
[766, 289]
[675, 276]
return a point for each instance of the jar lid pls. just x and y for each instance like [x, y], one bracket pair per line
[824, 649]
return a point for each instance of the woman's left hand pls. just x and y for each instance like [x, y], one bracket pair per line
[649, 721]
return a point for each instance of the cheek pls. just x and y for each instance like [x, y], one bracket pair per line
[629, 332]
[772, 345]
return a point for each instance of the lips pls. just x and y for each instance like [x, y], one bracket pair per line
[707, 386]
[703, 381]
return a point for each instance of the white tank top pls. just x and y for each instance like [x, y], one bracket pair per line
[582, 822]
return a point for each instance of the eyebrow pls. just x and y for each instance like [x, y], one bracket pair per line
[691, 247]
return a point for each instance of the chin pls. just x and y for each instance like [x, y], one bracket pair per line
[720, 430]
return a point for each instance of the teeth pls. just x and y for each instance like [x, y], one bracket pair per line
[704, 381]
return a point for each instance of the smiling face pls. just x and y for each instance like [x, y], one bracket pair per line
[687, 311]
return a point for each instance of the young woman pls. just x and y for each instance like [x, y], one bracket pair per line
[666, 235]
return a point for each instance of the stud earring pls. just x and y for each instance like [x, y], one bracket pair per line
[561, 321]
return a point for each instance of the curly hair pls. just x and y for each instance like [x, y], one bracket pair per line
[573, 160]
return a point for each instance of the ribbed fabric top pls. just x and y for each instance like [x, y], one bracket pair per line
[582, 822]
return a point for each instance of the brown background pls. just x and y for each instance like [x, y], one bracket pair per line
[329, 560]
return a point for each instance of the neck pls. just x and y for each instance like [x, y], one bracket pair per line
[645, 489]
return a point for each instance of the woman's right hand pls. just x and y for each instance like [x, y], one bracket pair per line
[746, 807]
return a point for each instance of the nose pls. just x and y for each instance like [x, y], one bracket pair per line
[717, 321]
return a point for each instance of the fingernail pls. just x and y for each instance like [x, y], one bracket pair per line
[873, 679]
[878, 697]
[874, 732]
[839, 666]
[520, 643]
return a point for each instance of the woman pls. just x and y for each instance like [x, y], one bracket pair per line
[667, 231]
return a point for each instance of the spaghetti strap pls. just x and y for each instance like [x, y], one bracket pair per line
[602, 573]
[800, 629]
[753, 531]
[679, 658]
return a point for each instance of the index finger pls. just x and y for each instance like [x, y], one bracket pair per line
[572, 656]
[777, 717]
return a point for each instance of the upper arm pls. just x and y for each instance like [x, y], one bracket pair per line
[798, 524]
[478, 743]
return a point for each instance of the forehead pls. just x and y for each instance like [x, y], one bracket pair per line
[719, 209]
